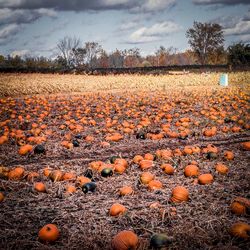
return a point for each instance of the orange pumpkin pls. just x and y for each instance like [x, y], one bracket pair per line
[49, 233]
[32, 175]
[25, 149]
[70, 189]
[68, 176]
[120, 161]
[191, 170]
[221, 168]
[16, 173]
[145, 164]
[246, 145]
[1, 196]
[229, 155]
[137, 159]
[167, 168]
[81, 180]
[205, 179]
[40, 187]
[127, 190]
[117, 209]
[240, 230]
[154, 185]
[146, 177]
[56, 175]
[125, 240]
[238, 208]
[179, 194]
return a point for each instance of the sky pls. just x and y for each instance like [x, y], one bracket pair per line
[34, 27]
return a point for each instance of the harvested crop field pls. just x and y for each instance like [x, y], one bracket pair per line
[28, 84]
[111, 137]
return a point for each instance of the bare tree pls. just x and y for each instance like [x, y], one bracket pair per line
[204, 39]
[93, 50]
[66, 47]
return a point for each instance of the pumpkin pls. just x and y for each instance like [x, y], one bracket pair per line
[149, 156]
[3, 139]
[238, 208]
[89, 187]
[68, 176]
[56, 175]
[81, 180]
[229, 155]
[70, 189]
[106, 172]
[120, 169]
[1, 196]
[221, 168]
[49, 233]
[154, 185]
[167, 168]
[47, 172]
[145, 164]
[40, 187]
[32, 175]
[159, 241]
[120, 161]
[191, 170]
[179, 194]
[240, 230]
[125, 240]
[39, 149]
[146, 177]
[137, 159]
[127, 190]
[246, 145]
[16, 173]
[205, 179]
[117, 209]
[25, 149]
[4, 172]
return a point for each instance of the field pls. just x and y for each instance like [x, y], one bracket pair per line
[68, 130]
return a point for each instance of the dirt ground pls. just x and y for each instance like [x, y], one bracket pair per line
[203, 222]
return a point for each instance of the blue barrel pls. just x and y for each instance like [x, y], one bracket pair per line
[224, 80]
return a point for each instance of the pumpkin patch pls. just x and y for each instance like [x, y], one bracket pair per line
[125, 170]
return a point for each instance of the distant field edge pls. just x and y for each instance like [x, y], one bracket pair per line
[135, 70]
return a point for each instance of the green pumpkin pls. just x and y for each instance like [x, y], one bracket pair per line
[89, 187]
[158, 241]
[211, 155]
[113, 158]
[107, 172]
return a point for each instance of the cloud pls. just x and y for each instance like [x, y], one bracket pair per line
[154, 6]
[240, 28]
[8, 15]
[7, 33]
[9, 30]
[128, 26]
[222, 2]
[21, 53]
[82, 5]
[154, 33]
[234, 25]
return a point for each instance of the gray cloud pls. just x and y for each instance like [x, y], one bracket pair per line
[81, 5]
[8, 15]
[154, 33]
[222, 2]
[234, 25]
[7, 33]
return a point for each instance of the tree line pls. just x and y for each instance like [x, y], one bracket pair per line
[206, 42]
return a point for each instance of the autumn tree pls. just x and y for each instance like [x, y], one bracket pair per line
[93, 50]
[239, 54]
[66, 47]
[205, 39]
